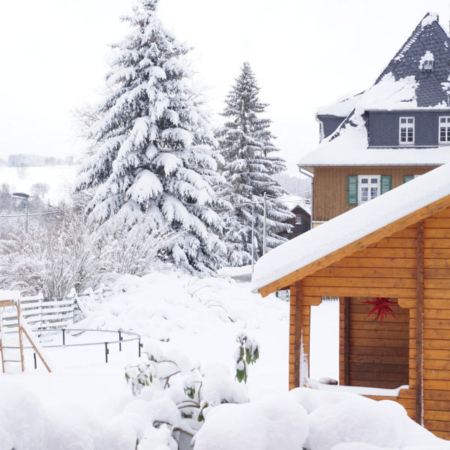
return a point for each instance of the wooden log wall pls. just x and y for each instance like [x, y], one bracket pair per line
[389, 269]
[378, 355]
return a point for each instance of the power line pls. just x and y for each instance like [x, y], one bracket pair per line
[30, 215]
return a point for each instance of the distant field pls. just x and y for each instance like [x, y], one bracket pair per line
[59, 180]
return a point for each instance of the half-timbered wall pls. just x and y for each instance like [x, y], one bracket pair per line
[389, 269]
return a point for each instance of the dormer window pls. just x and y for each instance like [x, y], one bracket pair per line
[428, 65]
[444, 129]
[406, 130]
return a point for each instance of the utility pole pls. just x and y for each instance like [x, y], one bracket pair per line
[265, 226]
[253, 237]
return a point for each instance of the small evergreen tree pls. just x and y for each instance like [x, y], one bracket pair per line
[155, 160]
[246, 145]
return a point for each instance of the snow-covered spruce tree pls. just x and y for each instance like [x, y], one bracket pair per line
[156, 161]
[246, 145]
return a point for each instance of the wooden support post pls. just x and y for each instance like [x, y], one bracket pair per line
[419, 324]
[36, 350]
[347, 341]
[20, 335]
[1, 346]
[298, 333]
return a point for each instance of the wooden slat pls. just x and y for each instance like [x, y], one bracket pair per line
[421, 251]
[347, 341]
[298, 332]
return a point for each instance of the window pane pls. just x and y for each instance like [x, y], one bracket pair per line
[410, 120]
[402, 120]
[364, 194]
[448, 134]
[373, 192]
[442, 119]
[403, 135]
[364, 180]
[374, 180]
[298, 220]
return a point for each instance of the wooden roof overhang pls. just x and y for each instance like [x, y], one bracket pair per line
[300, 273]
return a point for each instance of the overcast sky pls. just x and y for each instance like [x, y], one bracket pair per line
[305, 53]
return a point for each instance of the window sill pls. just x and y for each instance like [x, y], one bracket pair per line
[360, 390]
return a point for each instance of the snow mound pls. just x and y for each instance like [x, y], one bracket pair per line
[357, 420]
[277, 423]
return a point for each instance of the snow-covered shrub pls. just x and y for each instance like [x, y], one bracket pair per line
[52, 259]
[133, 251]
[277, 423]
[189, 390]
[246, 353]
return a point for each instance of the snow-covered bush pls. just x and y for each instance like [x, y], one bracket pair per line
[52, 259]
[246, 353]
[275, 423]
[189, 390]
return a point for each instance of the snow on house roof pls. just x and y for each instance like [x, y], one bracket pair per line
[291, 201]
[352, 226]
[403, 85]
[340, 108]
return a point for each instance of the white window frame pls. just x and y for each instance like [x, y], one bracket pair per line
[298, 219]
[447, 126]
[368, 185]
[407, 126]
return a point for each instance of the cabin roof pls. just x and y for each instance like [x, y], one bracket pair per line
[352, 231]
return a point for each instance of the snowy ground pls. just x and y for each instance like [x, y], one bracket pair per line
[88, 403]
[59, 180]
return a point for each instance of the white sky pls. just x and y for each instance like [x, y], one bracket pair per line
[304, 54]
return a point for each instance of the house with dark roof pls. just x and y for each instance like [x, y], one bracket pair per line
[301, 215]
[383, 137]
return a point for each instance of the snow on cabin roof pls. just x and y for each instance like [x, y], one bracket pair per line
[352, 226]
[403, 85]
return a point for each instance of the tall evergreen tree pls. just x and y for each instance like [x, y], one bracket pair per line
[155, 161]
[246, 145]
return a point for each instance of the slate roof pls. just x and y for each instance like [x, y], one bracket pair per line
[428, 36]
[429, 91]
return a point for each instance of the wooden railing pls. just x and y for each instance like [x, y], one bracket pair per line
[51, 313]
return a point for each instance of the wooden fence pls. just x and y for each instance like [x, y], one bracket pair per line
[50, 313]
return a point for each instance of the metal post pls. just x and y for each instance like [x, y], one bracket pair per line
[26, 219]
[253, 237]
[120, 341]
[64, 336]
[140, 346]
[106, 352]
[265, 226]
[35, 361]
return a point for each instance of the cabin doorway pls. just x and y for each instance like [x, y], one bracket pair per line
[373, 354]
[324, 340]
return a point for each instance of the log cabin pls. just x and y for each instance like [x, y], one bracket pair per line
[395, 247]
[383, 137]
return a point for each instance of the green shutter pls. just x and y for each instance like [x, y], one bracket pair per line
[352, 189]
[407, 178]
[386, 183]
